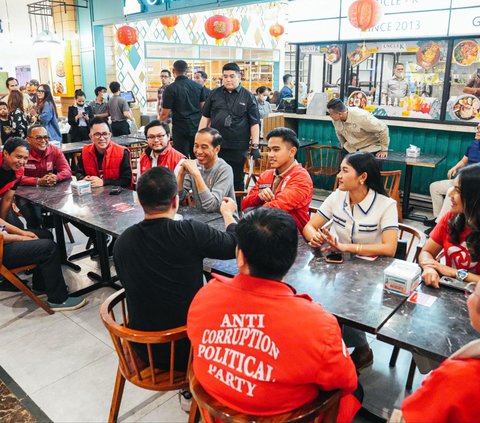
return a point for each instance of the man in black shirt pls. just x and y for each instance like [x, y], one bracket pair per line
[184, 98]
[201, 77]
[233, 111]
[160, 261]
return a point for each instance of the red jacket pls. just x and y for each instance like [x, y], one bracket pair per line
[294, 194]
[168, 158]
[111, 161]
[270, 352]
[39, 165]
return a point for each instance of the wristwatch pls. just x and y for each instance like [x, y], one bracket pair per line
[461, 274]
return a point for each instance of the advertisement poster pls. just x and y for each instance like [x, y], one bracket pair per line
[3, 82]
[23, 74]
[62, 72]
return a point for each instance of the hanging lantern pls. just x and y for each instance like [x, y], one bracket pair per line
[218, 27]
[364, 14]
[236, 25]
[169, 21]
[127, 36]
[276, 30]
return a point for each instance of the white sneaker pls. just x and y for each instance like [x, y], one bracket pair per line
[185, 399]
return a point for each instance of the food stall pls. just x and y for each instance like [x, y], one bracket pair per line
[413, 68]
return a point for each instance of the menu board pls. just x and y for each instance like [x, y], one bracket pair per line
[62, 72]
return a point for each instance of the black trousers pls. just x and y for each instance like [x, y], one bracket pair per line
[80, 133]
[120, 127]
[236, 159]
[184, 144]
[45, 254]
[32, 213]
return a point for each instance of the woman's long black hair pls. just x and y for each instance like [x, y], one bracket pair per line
[365, 162]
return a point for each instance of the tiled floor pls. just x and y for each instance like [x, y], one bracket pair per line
[65, 363]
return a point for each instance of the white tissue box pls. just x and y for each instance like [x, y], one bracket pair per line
[413, 152]
[402, 277]
[81, 187]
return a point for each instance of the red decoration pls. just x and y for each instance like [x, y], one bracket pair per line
[170, 21]
[127, 36]
[364, 14]
[218, 27]
[236, 25]
[276, 30]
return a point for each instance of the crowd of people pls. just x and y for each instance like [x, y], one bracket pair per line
[195, 156]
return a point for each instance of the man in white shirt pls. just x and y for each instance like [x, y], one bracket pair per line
[397, 87]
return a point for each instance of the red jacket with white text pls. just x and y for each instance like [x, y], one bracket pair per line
[51, 161]
[294, 194]
[168, 158]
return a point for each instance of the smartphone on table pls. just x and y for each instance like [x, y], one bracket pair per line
[334, 257]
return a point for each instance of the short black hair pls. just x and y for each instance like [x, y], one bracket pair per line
[268, 238]
[34, 82]
[79, 93]
[217, 138]
[10, 79]
[98, 120]
[2, 103]
[13, 143]
[202, 74]
[336, 105]
[180, 66]
[156, 189]
[114, 87]
[157, 122]
[286, 134]
[231, 67]
[99, 89]
[262, 89]
[166, 71]
[34, 126]
[286, 77]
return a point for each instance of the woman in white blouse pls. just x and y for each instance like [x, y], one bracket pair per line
[366, 224]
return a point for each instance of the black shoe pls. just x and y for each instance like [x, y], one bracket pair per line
[430, 222]
[362, 357]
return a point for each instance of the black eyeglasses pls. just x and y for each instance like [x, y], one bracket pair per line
[40, 138]
[40, 91]
[156, 137]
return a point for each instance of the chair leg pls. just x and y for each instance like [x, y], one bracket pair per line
[194, 415]
[411, 375]
[117, 397]
[330, 415]
[69, 232]
[15, 280]
[394, 356]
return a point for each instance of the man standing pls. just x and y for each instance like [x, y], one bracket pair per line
[358, 130]
[104, 162]
[201, 78]
[184, 98]
[286, 91]
[208, 179]
[287, 185]
[160, 151]
[160, 261]
[12, 84]
[257, 326]
[119, 111]
[32, 88]
[397, 87]
[233, 111]
[165, 77]
[46, 165]
[99, 105]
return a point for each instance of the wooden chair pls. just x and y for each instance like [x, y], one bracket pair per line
[325, 404]
[239, 196]
[11, 276]
[259, 166]
[323, 160]
[130, 366]
[391, 183]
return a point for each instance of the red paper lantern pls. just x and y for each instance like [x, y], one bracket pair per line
[276, 30]
[218, 27]
[127, 36]
[364, 14]
[236, 25]
[170, 21]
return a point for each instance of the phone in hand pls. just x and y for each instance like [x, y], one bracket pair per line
[334, 257]
[116, 191]
[327, 225]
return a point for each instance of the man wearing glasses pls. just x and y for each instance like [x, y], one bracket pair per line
[165, 77]
[439, 190]
[12, 85]
[233, 111]
[160, 151]
[104, 162]
[46, 165]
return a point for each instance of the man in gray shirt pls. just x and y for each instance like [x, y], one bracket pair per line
[99, 106]
[119, 111]
[208, 179]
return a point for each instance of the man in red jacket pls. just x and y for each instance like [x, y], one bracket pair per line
[104, 162]
[258, 347]
[159, 151]
[45, 167]
[287, 186]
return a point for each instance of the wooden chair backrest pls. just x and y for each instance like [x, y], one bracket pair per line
[325, 404]
[323, 159]
[417, 238]
[132, 367]
[260, 165]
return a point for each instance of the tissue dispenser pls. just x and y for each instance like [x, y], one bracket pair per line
[81, 187]
[402, 277]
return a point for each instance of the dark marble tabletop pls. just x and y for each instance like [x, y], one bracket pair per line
[424, 160]
[436, 331]
[44, 195]
[352, 291]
